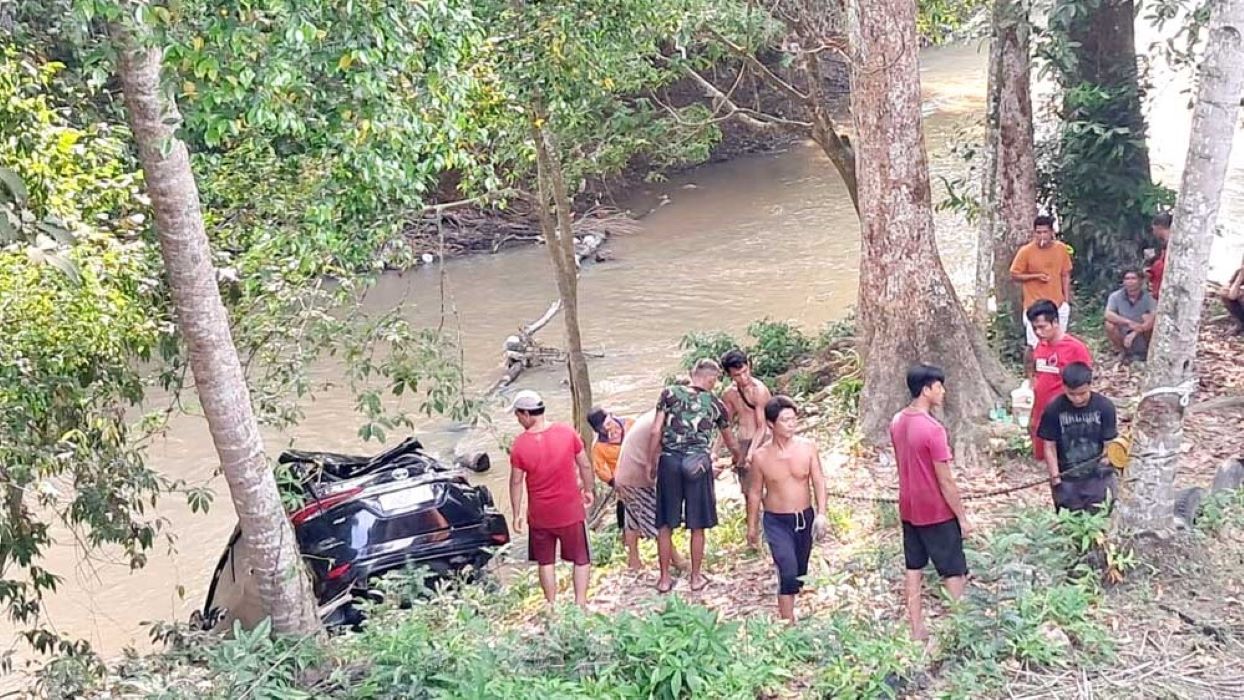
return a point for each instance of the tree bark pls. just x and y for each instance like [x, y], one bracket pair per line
[559, 237]
[1009, 187]
[908, 310]
[1148, 501]
[284, 589]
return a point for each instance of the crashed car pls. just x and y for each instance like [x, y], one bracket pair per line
[362, 517]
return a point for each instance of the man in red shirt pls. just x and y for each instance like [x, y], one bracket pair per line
[1055, 350]
[549, 459]
[1161, 228]
[934, 523]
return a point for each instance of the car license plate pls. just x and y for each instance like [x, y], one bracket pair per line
[404, 499]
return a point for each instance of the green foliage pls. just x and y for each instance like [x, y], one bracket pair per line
[1095, 173]
[778, 345]
[258, 665]
[1220, 511]
[1033, 602]
[939, 21]
[698, 345]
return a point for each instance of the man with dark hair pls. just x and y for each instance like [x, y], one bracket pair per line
[610, 431]
[1161, 227]
[1130, 312]
[687, 418]
[1075, 428]
[934, 522]
[745, 401]
[1056, 350]
[1043, 270]
[549, 459]
[786, 472]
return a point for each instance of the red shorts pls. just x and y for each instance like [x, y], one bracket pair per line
[542, 544]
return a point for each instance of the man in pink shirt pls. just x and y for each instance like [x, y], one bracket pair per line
[548, 459]
[934, 523]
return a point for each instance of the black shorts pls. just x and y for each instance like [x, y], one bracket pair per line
[790, 541]
[1087, 493]
[685, 483]
[942, 542]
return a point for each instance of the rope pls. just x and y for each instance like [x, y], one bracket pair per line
[1082, 466]
[1184, 390]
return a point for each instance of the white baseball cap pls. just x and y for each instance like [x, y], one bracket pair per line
[526, 400]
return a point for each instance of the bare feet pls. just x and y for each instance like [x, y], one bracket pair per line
[665, 585]
[698, 583]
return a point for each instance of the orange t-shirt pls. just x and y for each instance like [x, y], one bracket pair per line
[1053, 261]
[605, 455]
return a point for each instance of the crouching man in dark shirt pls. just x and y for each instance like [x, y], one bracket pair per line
[1075, 428]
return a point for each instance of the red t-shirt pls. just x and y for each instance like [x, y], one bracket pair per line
[1050, 359]
[1156, 271]
[553, 498]
[920, 441]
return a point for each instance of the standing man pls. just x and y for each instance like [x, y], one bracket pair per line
[745, 401]
[1042, 268]
[680, 442]
[1130, 312]
[786, 471]
[638, 492]
[1056, 350]
[549, 459]
[610, 431]
[1161, 227]
[1075, 428]
[934, 522]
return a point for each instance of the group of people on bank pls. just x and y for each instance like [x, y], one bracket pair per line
[661, 467]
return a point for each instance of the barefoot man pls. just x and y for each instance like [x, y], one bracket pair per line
[745, 401]
[934, 523]
[785, 473]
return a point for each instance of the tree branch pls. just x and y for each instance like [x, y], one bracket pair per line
[750, 117]
[759, 68]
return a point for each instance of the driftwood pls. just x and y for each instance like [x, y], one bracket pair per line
[522, 350]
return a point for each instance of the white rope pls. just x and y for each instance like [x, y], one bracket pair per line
[1184, 390]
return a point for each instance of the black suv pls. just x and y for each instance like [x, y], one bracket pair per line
[366, 516]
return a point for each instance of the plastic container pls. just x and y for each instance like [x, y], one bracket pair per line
[1022, 399]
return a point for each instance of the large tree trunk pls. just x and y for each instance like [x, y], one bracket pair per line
[559, 237]
[284, 589]
[909, 311]
[1009, 189]
[1105, 179]
[1158, 429]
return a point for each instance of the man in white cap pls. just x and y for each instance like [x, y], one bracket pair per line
[550, 460]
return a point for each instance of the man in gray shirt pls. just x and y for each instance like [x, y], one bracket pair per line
[1129, 318]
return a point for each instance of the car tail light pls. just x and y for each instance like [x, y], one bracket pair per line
[500, 537]
[338, 571]
[314, 508]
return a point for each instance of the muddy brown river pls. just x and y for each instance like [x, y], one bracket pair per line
[771, 235]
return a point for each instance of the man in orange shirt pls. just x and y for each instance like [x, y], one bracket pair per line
[1043, 270]
[610, 431]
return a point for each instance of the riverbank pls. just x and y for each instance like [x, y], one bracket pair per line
[1057, 607]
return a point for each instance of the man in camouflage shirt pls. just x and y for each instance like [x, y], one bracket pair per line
[681, 442]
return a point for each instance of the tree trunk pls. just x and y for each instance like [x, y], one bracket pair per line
[284, 589]
[559, 237]
[1104, 179]
[908, 310]
[1009, 189]
[1158, 429]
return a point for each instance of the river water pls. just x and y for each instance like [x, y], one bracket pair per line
[772, 235]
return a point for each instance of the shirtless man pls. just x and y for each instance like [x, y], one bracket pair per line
[745, 401]
[787, 470]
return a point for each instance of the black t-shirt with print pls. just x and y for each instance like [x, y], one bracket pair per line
[1081, 434]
